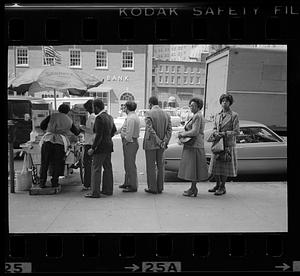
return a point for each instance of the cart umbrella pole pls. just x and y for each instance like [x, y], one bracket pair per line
[54, 99]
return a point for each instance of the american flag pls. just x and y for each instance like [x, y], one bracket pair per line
[49, 51]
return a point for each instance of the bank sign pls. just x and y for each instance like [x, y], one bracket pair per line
[117, 78]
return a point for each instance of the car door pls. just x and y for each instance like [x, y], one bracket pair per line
[260, 151]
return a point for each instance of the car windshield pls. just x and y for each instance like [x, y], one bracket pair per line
[256, 135]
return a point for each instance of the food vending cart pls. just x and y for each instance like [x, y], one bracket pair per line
[32, 149]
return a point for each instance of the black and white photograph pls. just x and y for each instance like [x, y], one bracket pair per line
[132, 138]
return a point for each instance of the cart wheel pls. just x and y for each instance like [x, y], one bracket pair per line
[81, 170]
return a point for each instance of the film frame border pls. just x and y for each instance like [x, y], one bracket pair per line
[203, 251]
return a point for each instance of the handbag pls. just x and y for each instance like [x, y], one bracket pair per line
[225, 156]
[218, 146]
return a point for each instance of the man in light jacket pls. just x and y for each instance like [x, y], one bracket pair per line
[158, 133]
[130, 133]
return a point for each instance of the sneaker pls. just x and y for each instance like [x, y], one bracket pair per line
[92, 196]
[129, 190]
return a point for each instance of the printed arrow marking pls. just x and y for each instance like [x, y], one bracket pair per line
[284, 266]
[134, 267]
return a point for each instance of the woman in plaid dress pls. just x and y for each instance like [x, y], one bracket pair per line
[226, 125]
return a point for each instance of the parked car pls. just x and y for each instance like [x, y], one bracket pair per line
[259, 150]
[175, 119]
[119, 121]
[185, 114]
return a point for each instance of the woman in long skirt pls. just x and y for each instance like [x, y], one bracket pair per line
[226, 126]
[193, 166]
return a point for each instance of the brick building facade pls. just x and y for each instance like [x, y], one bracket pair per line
[126, 69]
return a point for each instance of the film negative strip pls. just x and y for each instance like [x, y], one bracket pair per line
[141, 232]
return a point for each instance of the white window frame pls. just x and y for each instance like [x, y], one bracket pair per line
[166, 79]
[50, 61]
[178, 79]
[122, 60]
[185, 80]
[22, 57]
[172, 79]
[160, 68]
[185, 69]
[198, 80]
[160, 79]
[167, 68]
[173, 69]
[178, 69]
[106, 59]
[191, 80]
[80, 58]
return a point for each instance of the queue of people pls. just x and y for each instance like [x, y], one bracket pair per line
[100, 128]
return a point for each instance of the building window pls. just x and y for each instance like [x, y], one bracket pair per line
[198, 80]
[166, 79]
[167, 68]
[191, 80]
[127, 60]
[173, 69]
[153, 79]
[75, 57]
[127, 97]
[178, 80]
[22, 57]
[160, 68]
[160, 79]
[101, 59]
[100, 95]
[192, 69]
[185, 69]
[48, 60]
[178, 69]
[172, 79]
[198, 70]
[185, 80]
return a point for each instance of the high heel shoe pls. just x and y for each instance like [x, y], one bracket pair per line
[191, 192]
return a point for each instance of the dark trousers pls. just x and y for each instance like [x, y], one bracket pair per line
[155, 168]
[52, 155]
[129, 151]
[87, 164]
[102, 160]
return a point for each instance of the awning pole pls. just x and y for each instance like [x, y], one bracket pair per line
[54, 99]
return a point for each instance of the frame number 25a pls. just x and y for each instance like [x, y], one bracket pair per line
[18, 268]
[161, 267]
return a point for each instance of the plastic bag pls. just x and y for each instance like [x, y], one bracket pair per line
[24, 179]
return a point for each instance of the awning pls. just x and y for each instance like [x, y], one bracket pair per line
[100, 89]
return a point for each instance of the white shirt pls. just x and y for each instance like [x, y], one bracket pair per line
[131, 127]
[89, 134]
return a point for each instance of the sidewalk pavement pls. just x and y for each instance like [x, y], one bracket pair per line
[247, 207]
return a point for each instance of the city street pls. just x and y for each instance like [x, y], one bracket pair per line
[256, 204]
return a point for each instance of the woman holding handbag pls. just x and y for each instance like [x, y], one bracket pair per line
[193, 166]
[224, 163]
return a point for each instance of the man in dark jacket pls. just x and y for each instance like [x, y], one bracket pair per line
[104, 129]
